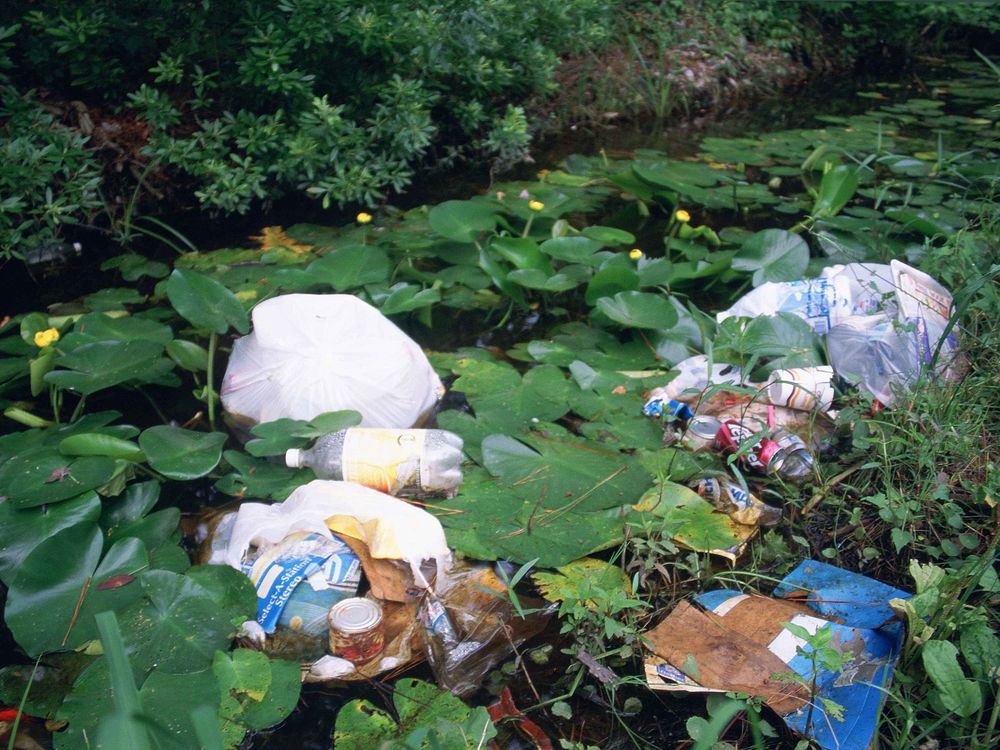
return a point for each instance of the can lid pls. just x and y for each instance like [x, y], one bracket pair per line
[704, 426]
[355, 615]
[293, 458]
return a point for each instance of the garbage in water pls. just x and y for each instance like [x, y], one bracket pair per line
[697, 523]
[735, 501]
[732, 641]
[397, 462]
[357, 633]
[471, 625]
[884, 325]
[314, 353]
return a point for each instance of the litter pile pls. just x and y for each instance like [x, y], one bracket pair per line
[348, 531]
[354, 581]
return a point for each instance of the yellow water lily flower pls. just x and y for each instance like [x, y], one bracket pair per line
[272, 238]
[635, 253]
[543, 173]
[682, 216]
[536, 205]
[364, 218]
[46, 337]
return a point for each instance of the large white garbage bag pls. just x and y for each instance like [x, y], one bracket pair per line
[313, 353]
[391, 528]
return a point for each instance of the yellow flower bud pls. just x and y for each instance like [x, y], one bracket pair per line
[364, 218]
[635, 253]
[536, 205]
[682, 216]
[46, 337]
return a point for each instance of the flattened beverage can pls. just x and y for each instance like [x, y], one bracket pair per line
[739, 504]
[766, 456]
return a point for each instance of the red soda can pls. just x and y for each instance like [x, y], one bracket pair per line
[766, 456]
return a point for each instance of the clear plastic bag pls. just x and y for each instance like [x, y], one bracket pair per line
[309, 354]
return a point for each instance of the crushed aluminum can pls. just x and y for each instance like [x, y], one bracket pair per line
[737, 503]
[766, 456]
[671, 408]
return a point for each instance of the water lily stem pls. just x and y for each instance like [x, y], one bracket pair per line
[20, 708]
[210, 377]
[79, 409]
[527, 226]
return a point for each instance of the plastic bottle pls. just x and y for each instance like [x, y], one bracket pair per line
[397, 462]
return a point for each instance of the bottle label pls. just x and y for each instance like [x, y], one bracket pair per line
[385, 460]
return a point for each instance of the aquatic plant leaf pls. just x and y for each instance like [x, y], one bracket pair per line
[168, 698]
[462, 221]
[773, 255]
[921, 221]
[61, 578]
[259, 478]
[576, 581]
[274, 438]
[205, 303]
[133, 267]
[97, 365]
[420, 705]
[835, 190]
[255, 692]
[179, 625]
[609, 281]
[43, 475]
[229, 588]
[572, 249]
[639, 310]
[564, 474]
[100, 444]
[692, 521]
[487, 521]
[505, 401]
[405, 297]
[609, 236]
[187, 354]
[23, 530]
[350, 267]
[181, 454]
[523, 252]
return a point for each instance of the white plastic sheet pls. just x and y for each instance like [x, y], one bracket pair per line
[311, 353]
[391, 528]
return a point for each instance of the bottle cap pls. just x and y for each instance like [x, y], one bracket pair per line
[293, 458]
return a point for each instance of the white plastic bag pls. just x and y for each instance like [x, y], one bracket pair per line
[313, 353]
[391, 528]
[693, 377]
[842, 291]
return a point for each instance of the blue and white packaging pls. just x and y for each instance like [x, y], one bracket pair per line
[300, 578]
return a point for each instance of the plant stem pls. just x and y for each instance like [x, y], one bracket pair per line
[210, 378]
[24, 700]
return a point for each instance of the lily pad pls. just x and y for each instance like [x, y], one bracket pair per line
[639, 309]
[23, 530]
[255, 692]
[773, 255]
[62, 577]
[95, 366]
[351, 267]
[205, 303]
[181, 454]
[43, 475]
[462, 221]
[429, 717]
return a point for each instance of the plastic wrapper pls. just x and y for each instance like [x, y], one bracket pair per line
[310, 354]
[693, 377]
[471, 626]
[391, 528]
[842, 291]
[736, 502]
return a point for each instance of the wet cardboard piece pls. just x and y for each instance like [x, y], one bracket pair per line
[725, 658]
[736, 641]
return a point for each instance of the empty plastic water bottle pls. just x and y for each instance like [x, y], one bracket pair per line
[397, 462]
